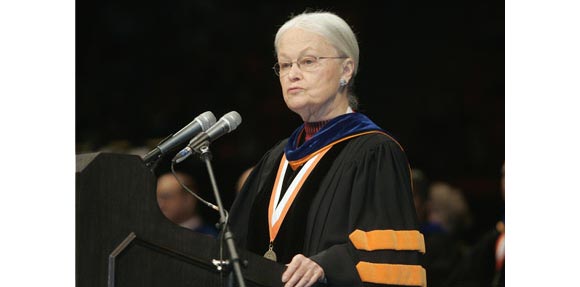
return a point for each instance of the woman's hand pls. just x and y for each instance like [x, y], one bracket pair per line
[302, 272]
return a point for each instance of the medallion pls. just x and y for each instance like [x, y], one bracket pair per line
[270, 254]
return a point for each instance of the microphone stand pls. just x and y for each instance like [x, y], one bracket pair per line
[205, 155]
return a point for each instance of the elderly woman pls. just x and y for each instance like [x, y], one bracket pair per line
[333, 202]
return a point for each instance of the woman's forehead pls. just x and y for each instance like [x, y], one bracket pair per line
[296, 42]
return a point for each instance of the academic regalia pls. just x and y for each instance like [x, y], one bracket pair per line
[354, 213]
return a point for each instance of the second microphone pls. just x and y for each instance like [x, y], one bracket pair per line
[224, 125]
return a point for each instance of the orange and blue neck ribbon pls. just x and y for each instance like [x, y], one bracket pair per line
[336, 130]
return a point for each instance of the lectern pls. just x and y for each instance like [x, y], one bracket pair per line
[123, 239]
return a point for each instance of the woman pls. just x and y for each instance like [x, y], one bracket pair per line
[333, 201]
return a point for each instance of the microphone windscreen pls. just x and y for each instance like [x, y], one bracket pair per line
[233, 120]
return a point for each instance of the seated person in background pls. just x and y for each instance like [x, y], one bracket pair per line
[420, 193]
[447, 217]
[484, 264]
[178, 205]
[242, 179]
[447, 209]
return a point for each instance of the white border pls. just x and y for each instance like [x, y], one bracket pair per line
[37, 82]
[542, 142]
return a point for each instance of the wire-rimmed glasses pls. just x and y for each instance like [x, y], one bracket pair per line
[305, 64]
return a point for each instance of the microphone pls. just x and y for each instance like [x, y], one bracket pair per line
[200, 124]
[226, 124]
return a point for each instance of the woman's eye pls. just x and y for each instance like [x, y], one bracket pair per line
[308, 62]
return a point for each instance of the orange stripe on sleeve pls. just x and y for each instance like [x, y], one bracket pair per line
[393, 274]
[388, 239]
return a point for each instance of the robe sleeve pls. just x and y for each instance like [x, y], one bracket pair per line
[383, 245]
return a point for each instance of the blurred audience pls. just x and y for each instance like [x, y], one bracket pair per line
[447, 217]
[447, 209]
[178, 205]
[242, 179]
[484, 264]
[420, 192]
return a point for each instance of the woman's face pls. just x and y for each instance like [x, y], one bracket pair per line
[314, 95]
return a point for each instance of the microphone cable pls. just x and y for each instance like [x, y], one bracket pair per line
[211, 205]
[221, 233]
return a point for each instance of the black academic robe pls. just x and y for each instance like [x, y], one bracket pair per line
[365, 185]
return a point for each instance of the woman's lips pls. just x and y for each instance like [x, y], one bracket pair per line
[294, 90]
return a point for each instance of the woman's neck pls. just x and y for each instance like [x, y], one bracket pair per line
[329, 110]
[311, 128]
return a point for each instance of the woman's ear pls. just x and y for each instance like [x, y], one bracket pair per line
[348, 69]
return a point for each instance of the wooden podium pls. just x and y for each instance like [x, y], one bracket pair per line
[123, 239]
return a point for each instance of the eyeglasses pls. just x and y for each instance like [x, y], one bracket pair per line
[305, 64]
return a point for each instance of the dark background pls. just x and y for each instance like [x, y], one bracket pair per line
[432, 74]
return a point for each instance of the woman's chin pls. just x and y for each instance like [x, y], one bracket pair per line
[296, 105]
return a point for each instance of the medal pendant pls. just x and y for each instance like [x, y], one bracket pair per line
[270, 254]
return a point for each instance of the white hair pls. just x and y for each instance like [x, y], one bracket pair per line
[335, 30]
